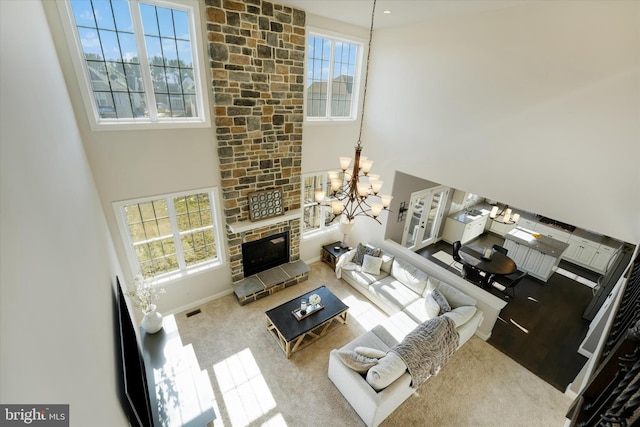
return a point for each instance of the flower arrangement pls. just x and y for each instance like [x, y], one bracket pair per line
[314, 299]
[143, 295]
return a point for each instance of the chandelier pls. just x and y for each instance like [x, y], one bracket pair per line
[354, 191]
[504, 215]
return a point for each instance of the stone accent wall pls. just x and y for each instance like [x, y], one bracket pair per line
[257, 52]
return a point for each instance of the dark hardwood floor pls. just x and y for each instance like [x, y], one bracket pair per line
[542, 327]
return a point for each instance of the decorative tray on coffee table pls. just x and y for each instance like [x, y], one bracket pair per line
[310, 310]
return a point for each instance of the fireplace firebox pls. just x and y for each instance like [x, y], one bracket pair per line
[265, 253]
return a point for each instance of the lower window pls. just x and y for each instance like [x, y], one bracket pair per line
[316, 218]
[170, 235]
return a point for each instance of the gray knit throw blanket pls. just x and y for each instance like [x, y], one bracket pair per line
[427, 348]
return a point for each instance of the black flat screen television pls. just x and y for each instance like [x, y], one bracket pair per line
[132, 377]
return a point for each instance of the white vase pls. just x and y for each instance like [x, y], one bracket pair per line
[152, 320]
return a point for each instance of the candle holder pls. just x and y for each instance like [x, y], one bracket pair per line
[303, 306]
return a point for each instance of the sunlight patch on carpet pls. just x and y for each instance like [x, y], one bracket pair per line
[576, 277]
[245, 392]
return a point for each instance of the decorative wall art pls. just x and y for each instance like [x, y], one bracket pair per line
[265, 204]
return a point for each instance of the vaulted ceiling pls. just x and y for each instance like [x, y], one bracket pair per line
[403, 12]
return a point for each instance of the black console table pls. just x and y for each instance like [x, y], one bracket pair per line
[180, 392]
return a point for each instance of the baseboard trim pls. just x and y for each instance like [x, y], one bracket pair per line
[200, 302]
[482, 335]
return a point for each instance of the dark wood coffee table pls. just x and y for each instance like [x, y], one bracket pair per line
[293, 334]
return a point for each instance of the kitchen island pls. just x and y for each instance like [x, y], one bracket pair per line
[534, 253]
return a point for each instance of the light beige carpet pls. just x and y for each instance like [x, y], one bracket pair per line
[256, 385]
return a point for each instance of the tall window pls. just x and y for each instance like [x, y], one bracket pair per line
[140, 59]
[316, 218]
[333, 66]
[170, 235]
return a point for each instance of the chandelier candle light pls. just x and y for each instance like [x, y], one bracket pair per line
[353, 194]
[507, 218]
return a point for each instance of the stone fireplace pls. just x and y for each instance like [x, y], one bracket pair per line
[257, 52]
[263, 254]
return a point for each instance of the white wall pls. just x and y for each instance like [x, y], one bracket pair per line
[134, 164]
[536, 105]
[57, 260]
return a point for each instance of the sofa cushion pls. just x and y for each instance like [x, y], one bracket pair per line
[454, 297]
[409, 275]
[373, 353]
[423, 309]
[371, 264]
[461, 315]
[356, 361]
[387, 370]
[364, 279]
[440, 300]
[393, 329]
[393, 292]
[361, 250]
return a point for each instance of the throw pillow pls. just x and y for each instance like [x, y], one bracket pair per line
[431, 306]
[461, 315]
[361, 250]
[357, 362]
[389, 368]
[371, 264]
[373, 353]
[387, 261]
[431, 285]
[441, 300]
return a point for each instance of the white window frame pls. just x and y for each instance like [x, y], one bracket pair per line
[357, 87]
[324, 209]
[192, 8]
[184, 270]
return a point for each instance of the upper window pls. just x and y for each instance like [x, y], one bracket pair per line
[171, 235]
[140, 59]
[316, 218]
[333, 66]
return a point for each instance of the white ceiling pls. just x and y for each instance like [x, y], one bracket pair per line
[403, 12]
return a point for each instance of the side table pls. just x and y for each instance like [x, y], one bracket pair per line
[330, 254]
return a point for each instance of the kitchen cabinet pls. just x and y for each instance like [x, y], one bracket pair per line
[499, 228]
[539, 256]
[554, 233]
[527, 224]
[580, 251]
[464, 228]
[586, 249]
[601, 258]
[535, 263]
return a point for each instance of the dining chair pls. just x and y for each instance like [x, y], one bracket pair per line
[473, 275]
[509, 282]
[456, 256]
[500, 249]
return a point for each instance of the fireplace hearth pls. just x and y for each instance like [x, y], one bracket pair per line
[263, 254]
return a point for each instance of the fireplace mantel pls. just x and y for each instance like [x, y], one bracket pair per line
[244, 226]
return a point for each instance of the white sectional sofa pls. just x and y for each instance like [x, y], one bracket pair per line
[406, 293]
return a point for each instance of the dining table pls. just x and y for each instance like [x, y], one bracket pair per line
[494, 263]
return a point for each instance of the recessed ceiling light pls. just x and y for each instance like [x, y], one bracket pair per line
[387, 12]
